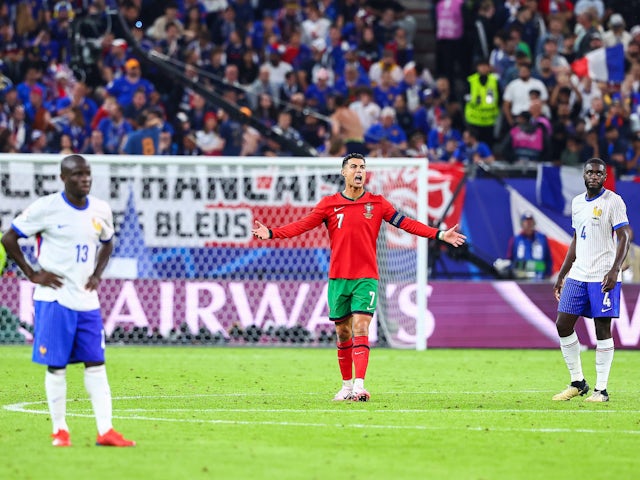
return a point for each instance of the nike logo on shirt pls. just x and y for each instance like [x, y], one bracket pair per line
[335, 209]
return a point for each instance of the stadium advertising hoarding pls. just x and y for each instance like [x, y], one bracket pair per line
[197, 205]
[523, 313]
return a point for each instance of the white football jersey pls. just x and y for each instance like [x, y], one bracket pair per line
[595, 221]
[67, 240]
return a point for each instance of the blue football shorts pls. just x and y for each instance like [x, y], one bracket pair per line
[588, 300]
[64, 336]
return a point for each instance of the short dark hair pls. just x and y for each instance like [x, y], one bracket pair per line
[597, 161]
[348, 157]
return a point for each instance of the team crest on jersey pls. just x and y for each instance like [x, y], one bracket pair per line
[97, 224]
[368, 208]
[43, 350]
[597, 213]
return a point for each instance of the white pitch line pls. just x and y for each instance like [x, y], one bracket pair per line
[484, 429]
[319, 410]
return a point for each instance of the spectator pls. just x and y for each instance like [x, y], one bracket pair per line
[189, 145]
[555, 32]
[503, 57]
[289, 88]
[404, 117]
[172, 43]
[368, 49]
[234, 48]
[482, 107]
[277, 68]
[315, 26]
[544, 72]
[263, 30]
[385, 27]
[385, 92]
[124, 87]
[451, 55]
[145, 140]
[194, 25]
[367, 110]
[485, 29]
[417, 145]
[249, 69]
[286, 130]
[80, 98]
[529, 251]
[347, 126]
[138, 104]
[528, 28]
[231, 133]
[527, 143]
[158, 30]
[114, 127]
[570, 155]
[318, 93]
[386, 65]
[471, 150]
[96, 144]
[402, 49]
[32, 78]
[516, 94]
[587, 28]
[613, 149]
[39, 143]
[440, 134]
[18, 127]
[296, 53]
[113, 62]
[349, 83]
[312, 130]
[412, 86]
[261, 85]
[208, 139]
[597, 6]
[386, 129]
[616, 33]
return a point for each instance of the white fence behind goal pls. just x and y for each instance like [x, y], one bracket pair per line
[186, 263]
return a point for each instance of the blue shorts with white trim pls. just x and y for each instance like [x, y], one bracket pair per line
[588, 300]
[64, 336]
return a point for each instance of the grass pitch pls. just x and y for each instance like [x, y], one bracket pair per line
[236, 413]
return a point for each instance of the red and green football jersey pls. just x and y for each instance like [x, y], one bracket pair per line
[353, 230]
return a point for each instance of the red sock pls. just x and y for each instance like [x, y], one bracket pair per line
[361, 355]
[345, 359]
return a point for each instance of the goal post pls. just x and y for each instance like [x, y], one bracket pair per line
[183, 226]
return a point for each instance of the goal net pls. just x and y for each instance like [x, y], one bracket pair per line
[186, 268]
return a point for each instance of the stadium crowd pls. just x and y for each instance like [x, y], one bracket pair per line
[505, 84]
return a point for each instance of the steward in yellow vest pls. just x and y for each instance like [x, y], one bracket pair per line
[482, 108]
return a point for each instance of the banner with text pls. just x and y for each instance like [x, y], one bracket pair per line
[460, 314]
[216, 205]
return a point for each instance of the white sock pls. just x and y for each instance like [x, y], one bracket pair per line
[347, 383]
[358, 384]
[570, 347]
[604, 358]
[55, 386]
[97, 385]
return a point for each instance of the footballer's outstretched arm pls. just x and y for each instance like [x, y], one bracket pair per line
[261, 231]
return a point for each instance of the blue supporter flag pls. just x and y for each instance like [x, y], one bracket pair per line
[130, 242]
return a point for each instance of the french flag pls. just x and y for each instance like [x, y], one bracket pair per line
[557, 186]
[602, 64]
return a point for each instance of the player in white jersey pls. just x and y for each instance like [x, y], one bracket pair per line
[592, 268]
[74, 233]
